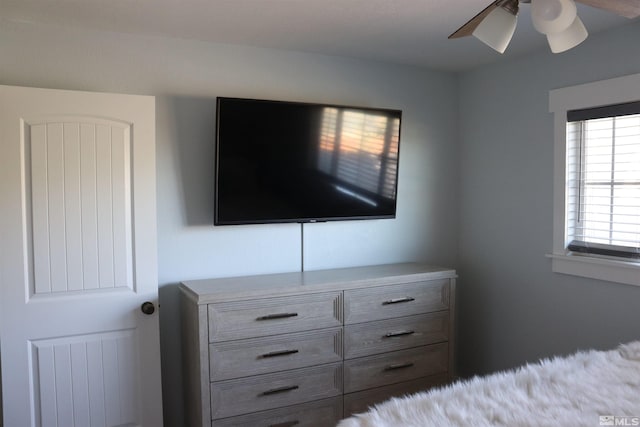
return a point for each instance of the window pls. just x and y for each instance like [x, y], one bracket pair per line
[603, 180]
[597, 180]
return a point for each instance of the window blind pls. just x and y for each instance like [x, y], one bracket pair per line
[603, 180]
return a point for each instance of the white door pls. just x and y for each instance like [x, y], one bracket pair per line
[78, 259]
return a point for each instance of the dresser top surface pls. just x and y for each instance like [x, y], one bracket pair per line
[244, 287]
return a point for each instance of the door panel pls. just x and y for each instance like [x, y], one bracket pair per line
[80, 174]
[78, 258]
[83, 378]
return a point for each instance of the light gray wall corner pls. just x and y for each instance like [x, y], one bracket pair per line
[513, 308]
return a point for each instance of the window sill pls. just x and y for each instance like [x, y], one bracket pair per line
[627, 272]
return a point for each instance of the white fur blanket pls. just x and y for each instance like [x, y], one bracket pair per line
[572, 391]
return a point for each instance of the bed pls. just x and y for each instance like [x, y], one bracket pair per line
[588, 388]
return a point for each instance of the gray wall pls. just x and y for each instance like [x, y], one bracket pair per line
[512, 307]
[186, 76]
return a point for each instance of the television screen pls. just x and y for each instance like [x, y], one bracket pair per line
[298, 162]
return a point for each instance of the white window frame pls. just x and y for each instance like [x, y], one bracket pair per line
[606, 92]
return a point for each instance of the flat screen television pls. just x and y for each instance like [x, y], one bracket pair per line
[279, 162]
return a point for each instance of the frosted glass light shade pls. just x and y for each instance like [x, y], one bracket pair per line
[497, 29]
[569, 38]
[553, 16]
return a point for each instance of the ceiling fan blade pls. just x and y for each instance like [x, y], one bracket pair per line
[468, 28]
[626, 8]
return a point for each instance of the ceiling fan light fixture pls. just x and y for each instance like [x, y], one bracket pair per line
[496, 30]
[553, 16]
[569, 38]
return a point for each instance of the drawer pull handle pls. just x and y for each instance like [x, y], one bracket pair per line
[280, 390]
[277, 316]
[398, 300]
[398, 366]
[279, 353]
[399, 334]
[286, 424]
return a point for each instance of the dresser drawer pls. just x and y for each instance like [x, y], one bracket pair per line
[385, 302]
[272, 316]
[395, 367]
[364, 339]
[326, 412]
[361, 401]
[242, 358]
[235, 397]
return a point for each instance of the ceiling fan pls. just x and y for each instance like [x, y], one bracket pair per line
[557, 19]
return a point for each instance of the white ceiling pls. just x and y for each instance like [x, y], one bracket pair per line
[399, 31]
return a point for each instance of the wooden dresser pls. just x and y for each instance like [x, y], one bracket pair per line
[307, 349]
